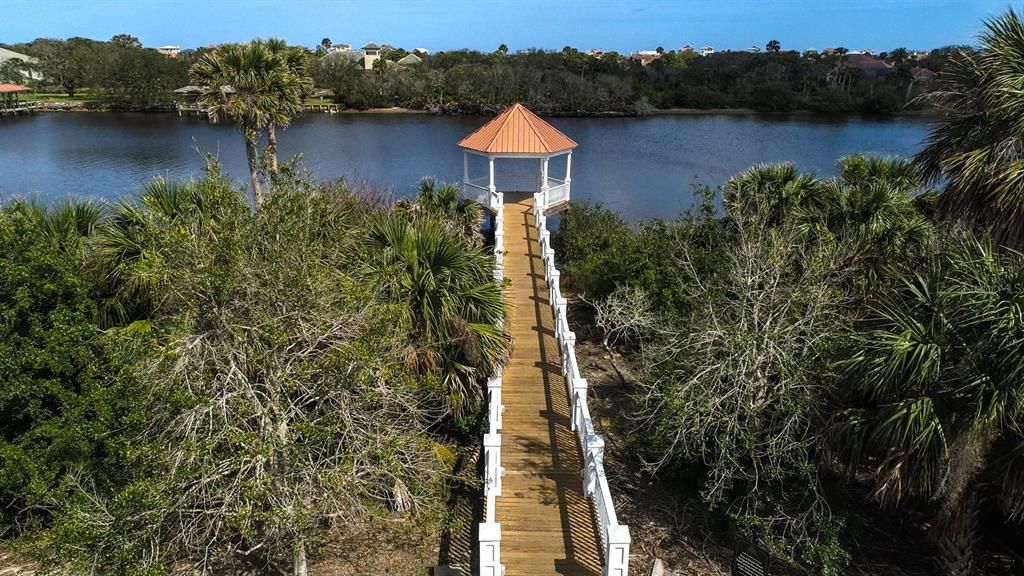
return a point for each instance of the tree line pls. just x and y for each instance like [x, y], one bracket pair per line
[828, 347]
[555, 82]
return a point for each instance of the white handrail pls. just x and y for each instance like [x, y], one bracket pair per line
[615, 537]
[489, 531]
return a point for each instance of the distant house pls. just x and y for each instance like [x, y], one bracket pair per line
[339, 47]
[871, 67]
[645, 57]
[410, 60]
[371, 53]
[706, 50]
[686, 48]
[364, 57]
[754, 49]
[30, 74]
[922, 75]
[595, 52]
[423, 51]
[170, 51]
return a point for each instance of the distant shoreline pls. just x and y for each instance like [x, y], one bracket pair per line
[397, 110]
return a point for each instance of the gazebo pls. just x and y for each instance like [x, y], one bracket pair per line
[9, 95]
[517, 134]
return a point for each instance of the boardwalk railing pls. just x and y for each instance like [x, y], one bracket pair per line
[489, 534]
[615, 538]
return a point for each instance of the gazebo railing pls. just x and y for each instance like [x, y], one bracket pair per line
[615, 537]
[489, 531]
[556, 193]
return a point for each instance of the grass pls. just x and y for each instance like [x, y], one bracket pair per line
[81, 97]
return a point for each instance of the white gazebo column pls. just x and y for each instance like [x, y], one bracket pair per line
[492, 190]
[544, 181]
[568, 176]
[465, 173]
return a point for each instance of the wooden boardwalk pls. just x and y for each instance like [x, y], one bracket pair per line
[546, 522]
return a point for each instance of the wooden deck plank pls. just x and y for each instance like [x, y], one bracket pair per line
[546, 522]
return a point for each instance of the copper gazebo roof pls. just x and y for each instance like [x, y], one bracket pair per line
[517, 131]
[12, 88]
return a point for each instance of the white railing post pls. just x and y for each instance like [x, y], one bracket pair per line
[579, 394]
[494, 402]
[616, 551]
[490, 549]
[492, 464]
[593, 459]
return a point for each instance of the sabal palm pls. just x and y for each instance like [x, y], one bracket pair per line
[123, 248]
[976, 147]
[771, 192]
[68, 219]
[877, 207]
[300, 86]
[935, 381]
[444, 201]
[453, 304]
[254, 87]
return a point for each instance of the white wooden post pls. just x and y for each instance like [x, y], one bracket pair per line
[492, 190]
[494, 388]
[465, 174]
[544, 181]
[490, 549]
[492, 460]
[568, 175]
[592, 462]
[579, 391]
[617, 551]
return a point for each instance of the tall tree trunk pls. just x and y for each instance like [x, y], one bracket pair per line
[272, 146]
[254, 172]
[299, 559]
[956, 532]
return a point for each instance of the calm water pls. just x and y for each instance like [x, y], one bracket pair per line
[640, 167]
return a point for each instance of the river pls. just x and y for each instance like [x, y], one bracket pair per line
[640, 167]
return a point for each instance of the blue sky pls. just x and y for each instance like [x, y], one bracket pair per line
[621, 25]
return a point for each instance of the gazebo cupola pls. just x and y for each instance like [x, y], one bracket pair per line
[518, 133]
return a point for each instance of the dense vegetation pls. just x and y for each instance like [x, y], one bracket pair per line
[190, 383]
[832, 344]
[573, 82]
[557, 82]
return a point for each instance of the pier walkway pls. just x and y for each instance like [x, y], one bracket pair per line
[546, 522]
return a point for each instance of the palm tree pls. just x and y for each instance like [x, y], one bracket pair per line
[293, 93]
[251, 85]
[878, 209]
[975, 148]
[934, 381]
[771, 192]
[444, 201]
[452, 303]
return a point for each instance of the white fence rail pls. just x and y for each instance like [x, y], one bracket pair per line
[615, 537]
[489, 532]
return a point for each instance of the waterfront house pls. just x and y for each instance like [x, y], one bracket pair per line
[706, 50]
[339, 47]
[30, 73]
[170, 51]
[871, 67]
[645, 57]
[410, 60]
[371, 53]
